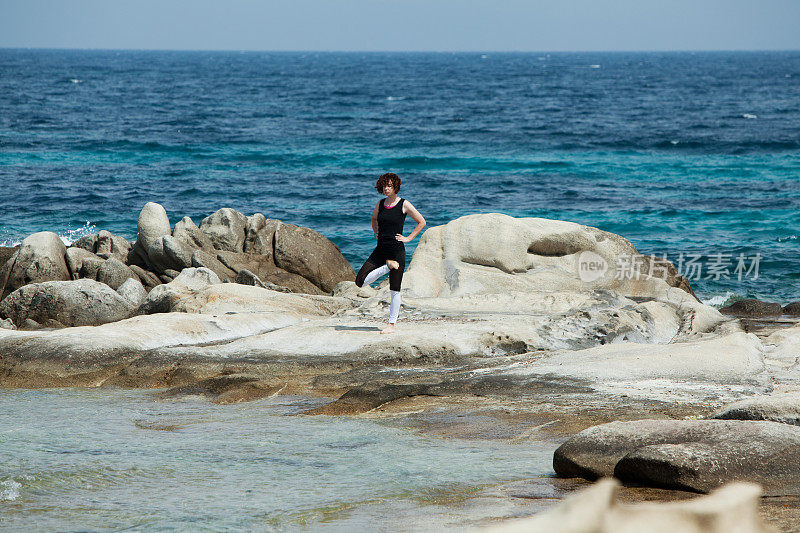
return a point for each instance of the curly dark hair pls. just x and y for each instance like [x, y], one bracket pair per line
[390, 178]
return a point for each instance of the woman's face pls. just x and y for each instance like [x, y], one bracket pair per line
[388, 189]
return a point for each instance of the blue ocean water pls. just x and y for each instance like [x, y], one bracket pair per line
[682, 153]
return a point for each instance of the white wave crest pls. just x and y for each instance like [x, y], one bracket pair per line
[395, 98]
[9, 490]
[76, 80]
[67, 237]
[719, 299]
[748, 115]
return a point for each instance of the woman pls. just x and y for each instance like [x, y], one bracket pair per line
[389, 256]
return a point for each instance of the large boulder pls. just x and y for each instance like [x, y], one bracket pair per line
[694, 455]
[792, 309]
[153, 224]
[226, 229]
[82, 302]
[148, 279]
[597, 509]
[492, 253]
[307, 253]
[6, 252]
[201, 258]
[41, 257]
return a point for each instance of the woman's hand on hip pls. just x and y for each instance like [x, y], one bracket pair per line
[400, 238]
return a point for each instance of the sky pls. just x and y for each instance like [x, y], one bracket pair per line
[402, 25]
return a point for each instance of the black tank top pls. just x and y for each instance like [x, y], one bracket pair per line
[390, 221]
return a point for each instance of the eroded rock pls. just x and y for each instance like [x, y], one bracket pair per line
[40, 257]
[307, 253]
[225, 228]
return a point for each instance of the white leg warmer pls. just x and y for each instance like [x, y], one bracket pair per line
[394, 306]
[375, 274]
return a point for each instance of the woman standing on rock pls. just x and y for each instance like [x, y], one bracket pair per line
[389, 256]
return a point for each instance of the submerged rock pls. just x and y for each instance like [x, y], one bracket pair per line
[694, 455]
[750, 307]
[783, 408]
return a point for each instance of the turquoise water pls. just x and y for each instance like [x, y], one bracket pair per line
[107, 459]
[682, 153]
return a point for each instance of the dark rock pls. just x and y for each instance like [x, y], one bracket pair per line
[41, 257]
[226, 229]
[792, 309]
[148, 279]
[267, 272]
[752, 308]
[202, 259]
[83, 302]
[165, 279]
[172, 273]
[30, 325]
[226, 389]
[245, 277]
[114, 273]
[87, 242]
[5, 254]
[52, 324]
[695, 455]
[307, 253]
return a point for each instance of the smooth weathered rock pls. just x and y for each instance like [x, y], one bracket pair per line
[694, 455]
[596, 509]
[226, 229]
[30, 325]
[7, 324]
[783, 408]
[148, 279]
[114, 273]
[203, 259]
[307, 253]
[750, 307]
[75, 257]
[81, 302]
[133, 291]
[792, 309]
[528, 254]
[260, 235]
[153, 224]
[168, 253]
[188, 233]
[40, 257]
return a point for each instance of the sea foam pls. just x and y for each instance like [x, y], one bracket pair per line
[9, 490]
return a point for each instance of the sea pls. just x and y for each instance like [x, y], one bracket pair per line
[692, 156]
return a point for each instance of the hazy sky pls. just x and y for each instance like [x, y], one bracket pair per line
[484, 25]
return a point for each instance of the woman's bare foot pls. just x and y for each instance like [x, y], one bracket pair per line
[394, 265]
[388, 329]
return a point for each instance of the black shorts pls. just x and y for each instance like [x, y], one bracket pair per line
[385, 250]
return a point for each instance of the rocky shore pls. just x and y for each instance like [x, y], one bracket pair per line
[500, 337]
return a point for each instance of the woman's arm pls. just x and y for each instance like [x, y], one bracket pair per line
[419, 219]
[375, 219]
